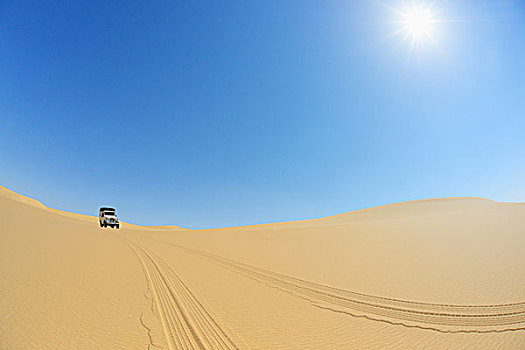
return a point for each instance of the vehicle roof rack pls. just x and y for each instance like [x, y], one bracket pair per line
[106, 208]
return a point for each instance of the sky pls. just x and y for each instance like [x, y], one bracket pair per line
[211, 114]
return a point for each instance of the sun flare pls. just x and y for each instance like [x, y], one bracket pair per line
[417, 23]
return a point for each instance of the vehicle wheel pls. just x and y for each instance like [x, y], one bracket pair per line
[100, 224]
[118, 226]
[105, 225]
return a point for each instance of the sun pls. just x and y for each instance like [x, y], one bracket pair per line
[418, 22]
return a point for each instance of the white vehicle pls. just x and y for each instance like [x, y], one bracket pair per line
[108, 217]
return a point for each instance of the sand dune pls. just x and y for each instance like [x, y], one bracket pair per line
[443, 273]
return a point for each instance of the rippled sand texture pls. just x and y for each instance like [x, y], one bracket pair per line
[443, 273]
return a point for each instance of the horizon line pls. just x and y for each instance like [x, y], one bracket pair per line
[269, 223]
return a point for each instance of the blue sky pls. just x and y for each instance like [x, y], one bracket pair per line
[210, 114]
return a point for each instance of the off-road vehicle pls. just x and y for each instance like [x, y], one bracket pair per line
[108, 217]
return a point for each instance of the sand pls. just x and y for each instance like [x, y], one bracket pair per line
[438, 273]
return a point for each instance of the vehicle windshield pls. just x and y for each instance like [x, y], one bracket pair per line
[109, 213]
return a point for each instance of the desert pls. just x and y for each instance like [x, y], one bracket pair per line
[271, 175]
[438, 273]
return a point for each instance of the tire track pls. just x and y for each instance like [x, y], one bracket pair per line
[185, 321]
[443, 317]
